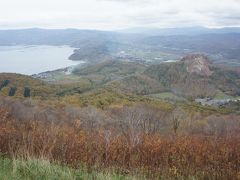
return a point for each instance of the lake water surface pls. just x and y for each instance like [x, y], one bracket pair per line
[34, 59]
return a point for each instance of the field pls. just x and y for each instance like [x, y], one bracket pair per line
[167, 96]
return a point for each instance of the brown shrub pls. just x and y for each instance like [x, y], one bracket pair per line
[171, 156]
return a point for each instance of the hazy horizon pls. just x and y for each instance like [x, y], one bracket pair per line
[120, 29]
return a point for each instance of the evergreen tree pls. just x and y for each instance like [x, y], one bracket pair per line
[12, 91]
[4, 84]
[26, 92]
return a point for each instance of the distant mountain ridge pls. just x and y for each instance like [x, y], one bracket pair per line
[221, 45]
[36, 36]
[197, 30]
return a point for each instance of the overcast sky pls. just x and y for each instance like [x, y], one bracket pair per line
[118, 14]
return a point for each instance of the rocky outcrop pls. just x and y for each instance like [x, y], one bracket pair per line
[197, 64]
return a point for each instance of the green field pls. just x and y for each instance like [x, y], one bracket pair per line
[220, 95]
[35, 169]
[165, 96]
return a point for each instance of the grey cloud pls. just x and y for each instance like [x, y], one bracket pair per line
[117, 14]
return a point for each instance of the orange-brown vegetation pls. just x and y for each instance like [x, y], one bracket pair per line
[131, 143]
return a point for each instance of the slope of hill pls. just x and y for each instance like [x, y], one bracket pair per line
[18, 84]
[195, 76]
[117, 82]
[191, 77]
[107, 71]
[22, 86]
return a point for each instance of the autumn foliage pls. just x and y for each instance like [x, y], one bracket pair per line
[151, 154]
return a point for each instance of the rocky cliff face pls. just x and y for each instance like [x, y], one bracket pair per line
[198, 64]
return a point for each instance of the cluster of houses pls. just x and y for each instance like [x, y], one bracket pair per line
[43, 75]
[215, 102]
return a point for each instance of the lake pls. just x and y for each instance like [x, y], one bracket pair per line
[34, 59]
